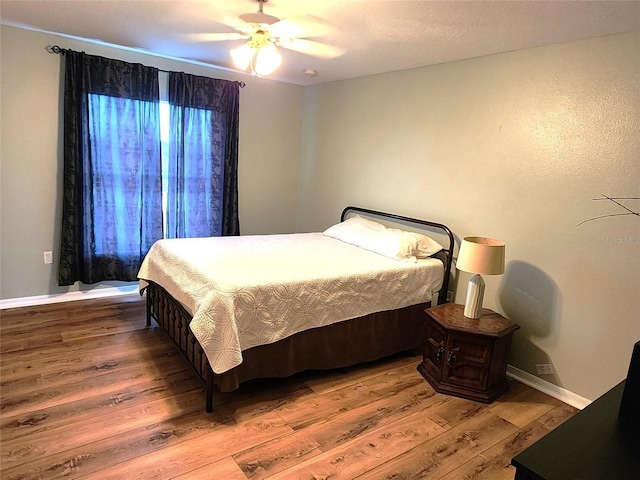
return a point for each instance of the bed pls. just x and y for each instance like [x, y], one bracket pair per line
[261, 306]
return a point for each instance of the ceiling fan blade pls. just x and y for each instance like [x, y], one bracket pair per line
[303, 26]
[310, 47]
[215, 37]
[288, 29]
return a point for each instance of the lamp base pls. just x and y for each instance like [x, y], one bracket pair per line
[475, 294]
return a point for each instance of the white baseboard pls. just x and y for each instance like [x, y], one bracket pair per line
[68, 297]
[549, 388]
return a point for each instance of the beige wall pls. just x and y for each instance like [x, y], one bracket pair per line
[30, 135]
[513, 146]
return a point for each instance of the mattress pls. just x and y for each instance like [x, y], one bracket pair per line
[254, 290]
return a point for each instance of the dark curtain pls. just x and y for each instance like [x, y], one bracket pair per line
[112, 199]
[202, 195]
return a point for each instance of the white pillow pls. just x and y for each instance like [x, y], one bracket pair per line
[391, 242]
[421, 245]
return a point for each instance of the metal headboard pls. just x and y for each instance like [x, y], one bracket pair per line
[447, 252]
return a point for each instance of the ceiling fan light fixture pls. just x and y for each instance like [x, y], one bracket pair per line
[242, 56]
[260, 52]
[267, 59]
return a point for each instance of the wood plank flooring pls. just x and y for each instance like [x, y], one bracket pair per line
[87, 391]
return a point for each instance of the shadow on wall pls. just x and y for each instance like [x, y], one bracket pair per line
[530, 298]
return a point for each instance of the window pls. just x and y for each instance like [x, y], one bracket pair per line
[164, 147]
[137, 169]
[117, 172]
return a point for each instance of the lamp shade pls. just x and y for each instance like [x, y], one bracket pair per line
[481, 255]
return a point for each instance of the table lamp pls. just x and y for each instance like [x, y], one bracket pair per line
[479, 255]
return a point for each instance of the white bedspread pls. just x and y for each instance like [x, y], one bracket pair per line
[253, 290]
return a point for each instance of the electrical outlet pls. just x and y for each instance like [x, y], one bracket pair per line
[48, 257]
[449, 296]
[544, 369]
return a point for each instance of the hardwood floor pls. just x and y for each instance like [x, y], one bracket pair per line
[87, 391]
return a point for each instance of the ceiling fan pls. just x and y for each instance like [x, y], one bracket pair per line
[264, 34]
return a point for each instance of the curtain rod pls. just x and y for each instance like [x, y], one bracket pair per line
[56, 49]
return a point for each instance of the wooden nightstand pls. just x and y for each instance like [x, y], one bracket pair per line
[466, 357]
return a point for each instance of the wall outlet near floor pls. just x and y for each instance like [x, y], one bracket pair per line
[544, 369]
[48, 257]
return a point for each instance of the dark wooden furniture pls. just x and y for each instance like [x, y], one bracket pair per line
[630, 404]
[592, 445]
[466, 357]
[338, 345]
[602, 442]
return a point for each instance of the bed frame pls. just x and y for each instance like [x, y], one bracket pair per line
[338, 345]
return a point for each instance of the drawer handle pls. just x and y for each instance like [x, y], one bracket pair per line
[440, 354]
[451, 359]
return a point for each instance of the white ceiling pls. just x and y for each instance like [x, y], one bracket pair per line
[375, 35]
